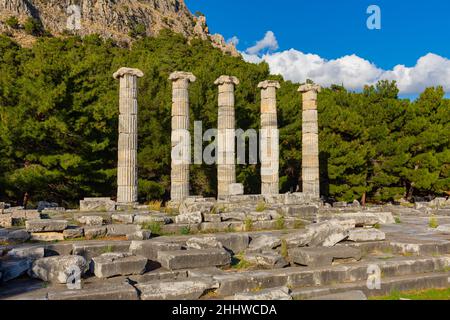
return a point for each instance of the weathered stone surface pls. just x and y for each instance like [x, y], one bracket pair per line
[298, 239]
[363, 235]
[115, 292]
[6, 220]
[302, 211]
[18, 236]
[236, 189]
[113, 264]
[46, 225]
[362, 219]
[123, 218]
[189, 218]
[73, 233]
[47, 236]
[234, 242]
[91, 233]
[11, 269]
[270, 260]
[57, 269]
[189, 289]
[139, 235]
[327, 234]
[272, 294]
[226, 226]
[445, 228]
[153, 218]
[188, 259]
[259, 216]
[90, 250]
[97, 204]
[323, 256]
[149, 249]
[233, 216]
[264, 242]
[160, 275]
[31, 253]
[121, 230]
[203, 243]
[212, 218]
[191, 205]
[91, 220]
[343, 296]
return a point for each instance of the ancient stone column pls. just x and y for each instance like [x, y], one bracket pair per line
[269, 138]
[181, 144]
[226, 146]
[127, 178]
[310, 140]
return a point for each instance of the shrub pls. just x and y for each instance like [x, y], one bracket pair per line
[433, 223]
[154, 227]
[248, 224]
[34, 27]
[13, 22]
[261, 206]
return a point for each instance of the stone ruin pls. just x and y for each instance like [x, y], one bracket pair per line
[270, 246]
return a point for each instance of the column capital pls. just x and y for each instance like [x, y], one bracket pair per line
[226, 79]
[181, 75]
[268, 84]
[309, 87]
[128, 71]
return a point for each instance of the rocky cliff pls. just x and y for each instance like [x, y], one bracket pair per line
[121, 20]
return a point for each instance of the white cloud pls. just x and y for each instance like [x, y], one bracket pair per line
[234, 40]
[354, 72]
[268, 42]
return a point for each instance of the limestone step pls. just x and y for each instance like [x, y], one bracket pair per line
[301, 277]
[388, 285]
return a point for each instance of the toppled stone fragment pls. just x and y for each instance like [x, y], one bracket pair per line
[203, 243]
[47, 236]
[18, 236]
[45, 225]
[31, 253]
[149, 249]
[327, 234]
[445, 228]
[188, 259]
[233, 216]
[91, 220]
[139, 235]
[58, 269]
[73, 233]
[118, 264]
[97, 204]
[343, 296]
[189, 218]
[123, 218]
[91, 233]
[11, 269]
[121, 230]
[363, 235]
[264, 242]
[119, 292]
[259, 216]
[323, 256]
[269, 260]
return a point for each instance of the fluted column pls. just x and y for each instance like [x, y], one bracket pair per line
[181, 145]
[226, 150]
[127, 178]
[310, 140]
[269, 145]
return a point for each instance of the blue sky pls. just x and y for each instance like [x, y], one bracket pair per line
[336, 29]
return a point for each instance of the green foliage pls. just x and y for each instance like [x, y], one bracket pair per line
[248, 224]
[138, 30]
[12, 22]
[154, 227]
[261, 206]
[34, 27]
[280, 223]
[433, 223]
[59, 119]
[185, 231]
[284, 249]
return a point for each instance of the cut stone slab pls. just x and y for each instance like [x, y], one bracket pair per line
[158, 275]
[267, 260]
[97, 204]
[154, 218]
[139, 235]
[233, 216]
[149, 249]
[234, 242]
[298, 239]
[226, 226]
[189, 218]
[46, 225]
[6, 220]
[259, 216]
[189, 259]
[31, 253]
[58, 269]
[190, 289]
[91, 220]
[272, 294]
[203, 243]
[264, 242]
[356, 295]
[123, 218]
[109, 265]
[327, 234]
[365, 235]
[91, 233]
[323, 256]
[236, 189]
[120, 292]
[121, 230]
[73, 233]
[212, 217]
[11, 269]
[18, 236]
[89, 249]
[47, 236]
